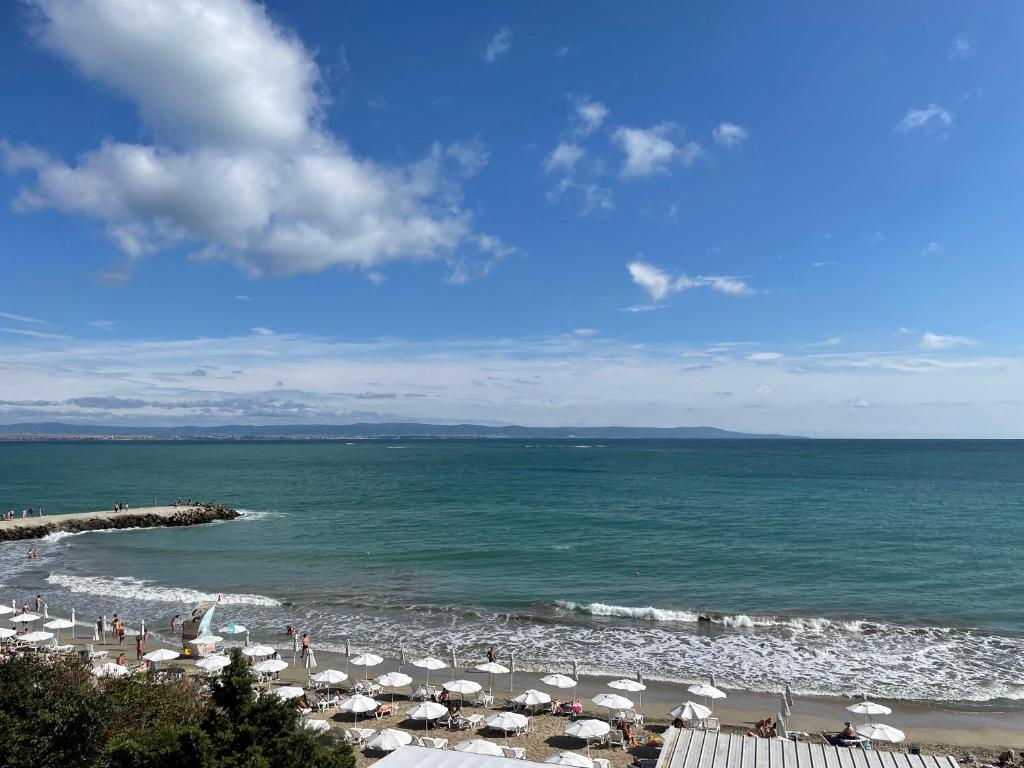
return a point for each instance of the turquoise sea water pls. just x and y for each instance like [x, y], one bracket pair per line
[886, 566]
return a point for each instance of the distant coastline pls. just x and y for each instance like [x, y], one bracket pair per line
[364, 431]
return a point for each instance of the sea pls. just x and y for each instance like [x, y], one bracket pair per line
[893, 568]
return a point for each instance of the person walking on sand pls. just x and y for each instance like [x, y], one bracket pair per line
[101, 631]
[174, 623]
[140, 645]
[305, 645]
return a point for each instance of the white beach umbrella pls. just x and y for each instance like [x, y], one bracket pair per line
[587, 729]
[462, 687]
[558, 681]
[393, 680]
[5, 609]
[357, 703]
[213, 663]
[881, 732]
[206, 640]
[709, 692]
[25, 618]
[492, 668]
[367, 660]
[161, 654]
[269, 666]
[427, 711]
[110, 669]
[574, 759]
[633, 686]
[7, 632]
[315, 725]
[59, 624]
[531, 698]
[612, 701]
[506, 721]
[389, 739]
[329, 677]
[479, 747]
[258, 650]
[691, 710]
[288, 692]
[428, 663]
[868, 708]
[37, 637]
[784, 709]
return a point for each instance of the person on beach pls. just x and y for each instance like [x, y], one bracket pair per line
[101, 631]
[39, 603]
[305, 645]
[174, 623]
[121, 659]
[140, 646]
[627, 734]
[492, 654]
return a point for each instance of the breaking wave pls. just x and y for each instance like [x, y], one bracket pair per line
[135, 589]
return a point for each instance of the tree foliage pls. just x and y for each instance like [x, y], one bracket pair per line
[55, 714]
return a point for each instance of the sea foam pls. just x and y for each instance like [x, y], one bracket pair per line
[136, 589]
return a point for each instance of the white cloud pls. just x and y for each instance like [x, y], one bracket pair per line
[932, 116]
[33, 334]
[765, 357]
[596, 198]
[764, 389]
[590, 114]
[104, 325]
[648, 151]
[932, 249]
[960, 48]
[659, 283]
[242, 297]
[831, 341]
[730, 134]
[499, 45]
[24, 319]
[563, 158]
[585, 332]
[935, 341]
[243, 169]
[261, 331]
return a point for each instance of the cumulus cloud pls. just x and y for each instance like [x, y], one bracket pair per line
[935, 341]
[932, 117]
[960, 48]
[563, 158]
[498, 46]
[590, 114]
[242, 168]
[659, 284]
[729, 134]
[648, 151]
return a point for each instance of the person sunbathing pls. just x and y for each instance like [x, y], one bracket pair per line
[627, 734]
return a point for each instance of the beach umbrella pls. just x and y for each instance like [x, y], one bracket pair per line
[314, 725]
[213, 663]
[714, 683]
[479, 747]
[357, 703]
[367, 660]
[5, 609]
[633, 686]
[789, 695]
[709, 692]
[690, 710]
[288, 692]
[506, 721]
[492, 668]
[561, 681]
[389, 739]
[531, 698]
[258, 650]
[7, 632]
[784, 709]
[110, 669]
[25, 618]
[233, 629]
[329, 677]
[462, 687]
[881, 732]
[428, 663]
[573, 759]
[394, 680]
[206, 640]
[612, 701]
[161, 654]
[427, 711]
[59, 624]
[37, 637]
[868, 708]
[587, 730]
[270, 666]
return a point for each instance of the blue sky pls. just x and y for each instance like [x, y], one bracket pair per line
[805, 221]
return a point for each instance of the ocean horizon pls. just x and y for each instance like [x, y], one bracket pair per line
[882, 566]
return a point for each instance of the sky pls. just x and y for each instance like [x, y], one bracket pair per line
[805, 219]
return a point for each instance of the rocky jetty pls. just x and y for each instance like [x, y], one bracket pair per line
[157, 517]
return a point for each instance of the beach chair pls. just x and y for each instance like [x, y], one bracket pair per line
[94, 654]
[484, 700]
[475, 721]
[516, 753]
[634, 717]
[601, 762]
[711, 724]
[353, 737]
[615, 739]
[434, 743]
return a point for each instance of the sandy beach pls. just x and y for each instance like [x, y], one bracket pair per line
[932, 729]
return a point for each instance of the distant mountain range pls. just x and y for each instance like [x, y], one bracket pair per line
[384, 430]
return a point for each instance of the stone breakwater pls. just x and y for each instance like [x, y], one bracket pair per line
[139, 517]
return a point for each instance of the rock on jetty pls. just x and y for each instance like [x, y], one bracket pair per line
[139, 517]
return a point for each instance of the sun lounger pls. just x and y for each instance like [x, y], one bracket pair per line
[385, 710]
[710, 724]
[600, 762]
[432, 743]
[484, 700]
[516, 753]
[614, 738]
[352, 736]
[94, 654]
[424, 692]
[475, 721]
